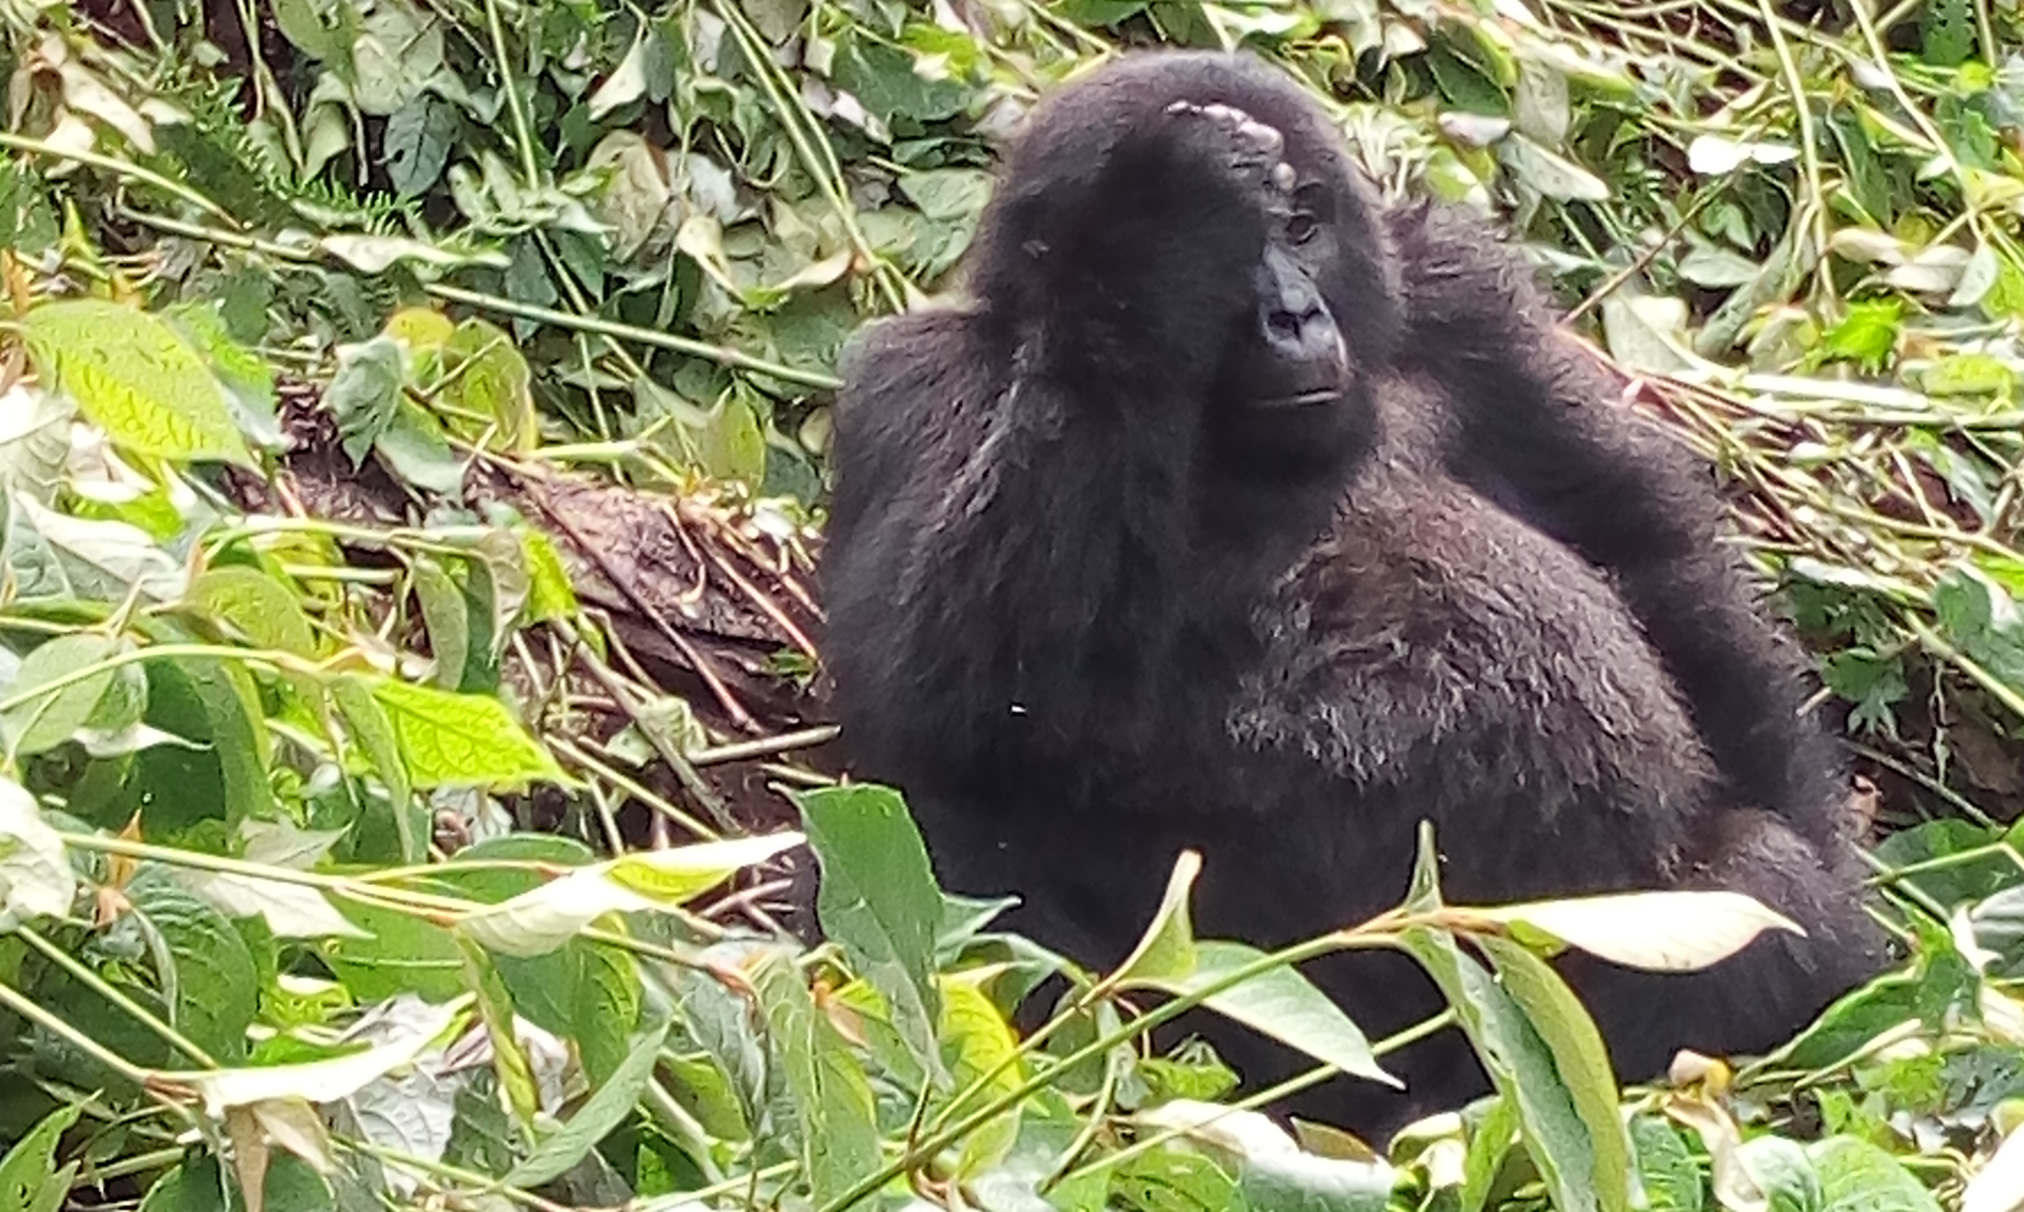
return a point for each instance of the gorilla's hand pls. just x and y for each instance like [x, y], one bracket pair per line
[1246, 148]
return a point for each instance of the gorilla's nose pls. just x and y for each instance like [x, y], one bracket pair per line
[1305, 357]
[1304, 336]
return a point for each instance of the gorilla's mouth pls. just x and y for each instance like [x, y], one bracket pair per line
[1303, 399]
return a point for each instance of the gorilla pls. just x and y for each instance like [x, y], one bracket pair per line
[1233, 511]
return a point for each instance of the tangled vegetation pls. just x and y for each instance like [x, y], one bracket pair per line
[411, 428]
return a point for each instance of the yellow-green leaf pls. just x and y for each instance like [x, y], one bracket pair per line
[134, 377]
[461, 740]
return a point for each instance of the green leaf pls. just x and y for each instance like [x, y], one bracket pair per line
[1856, 1176]
[222, 774]
[1783, 1173]
[879, 901]
[1579, 1056]
[417, 450]
[374, 734]
[883, 78]
[401, 954]
[417, 144]
[1277, 1181]
[1282, 1003]
[1867, 335]
[1666, 1166]
[364, 393]
[53, 555]
[43, 721]
[1166, 949]
[834, 1127]
[134, 377]
[461, 740]
[609, 1106]
[301, 22]
[248, 383]
[550, 595]
[448, 621]
[259, 606]
[978, 1044]
[203, 967]
[29, 1178]
[545, 917]
[490, 379]
[730, 444]
[1521, 1066]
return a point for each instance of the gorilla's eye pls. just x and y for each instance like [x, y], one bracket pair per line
[1301, 227]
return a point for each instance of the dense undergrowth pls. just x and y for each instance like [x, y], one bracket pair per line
[411, 416]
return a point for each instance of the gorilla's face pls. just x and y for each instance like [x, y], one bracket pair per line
[1296, 356]
[1295, 395]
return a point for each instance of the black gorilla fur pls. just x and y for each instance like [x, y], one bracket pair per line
[1093, 598]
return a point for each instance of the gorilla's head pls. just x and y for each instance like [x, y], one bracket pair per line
[1311, 323]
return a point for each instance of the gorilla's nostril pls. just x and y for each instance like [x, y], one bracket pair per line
[1283, 326]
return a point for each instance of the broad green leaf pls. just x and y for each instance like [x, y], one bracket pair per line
[1666, 1166]
[36, 879]
[1166, 951]
[364, 393]
[41, 720]
[1857, 1176]
[1175, 1180]
[1301, 1182]
[373, 732]
[1521, 1066]
[401, 1039]
[416, 449]
[401, 954]
[245, 376]
[460, 740]
[883, 78]
[259, 606]
[834, 1127]
[222, 775]
[1579, 1056]
[1551, 174]
[730, 445]
[205, 971]
[1281, 1003]
[448, 620]
[550, 595]
[398, 49]
[489, 378]
[976, 1042]
[1273, 1173]
[104, 561]
[135, 378]
[417, 143]
[30, 1180]
[1783, 1174]
[612, 1104]
[1969, 374]
[1867, 335]
[879, 901]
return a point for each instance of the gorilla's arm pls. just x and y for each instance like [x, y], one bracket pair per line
[1536, 437]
